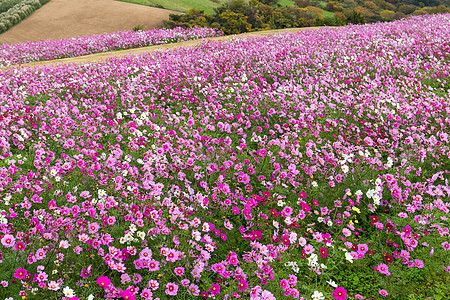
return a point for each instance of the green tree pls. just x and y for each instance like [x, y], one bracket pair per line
[234, 23]
[356, 17]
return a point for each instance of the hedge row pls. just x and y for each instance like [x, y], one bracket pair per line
[7, 4]
[17, 13]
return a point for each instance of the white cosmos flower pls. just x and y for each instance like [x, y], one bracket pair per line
[317, 296]
[332, 283]
[312, 260]
[348, 257]
[345, 168]
[68, 292]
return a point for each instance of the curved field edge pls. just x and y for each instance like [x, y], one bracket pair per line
[136, 51]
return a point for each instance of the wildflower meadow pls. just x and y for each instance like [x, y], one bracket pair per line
[308, 165]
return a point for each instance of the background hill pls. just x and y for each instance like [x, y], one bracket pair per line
[247, 15]
[69, 18]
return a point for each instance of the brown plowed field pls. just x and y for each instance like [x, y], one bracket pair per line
[60, 19]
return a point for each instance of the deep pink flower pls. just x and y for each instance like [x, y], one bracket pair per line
[20, 273]
[285, 240]
[20, 246]
[103, 281]
[340, 293]
[128, 295]
[284, 284]
[243, 285]
[215, 289]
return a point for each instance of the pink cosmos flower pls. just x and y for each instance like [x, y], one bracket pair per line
[418, 263]
[20, 246]
[292, 280]
[103, 281]
[153, 265]
[284, 284]
[243, 285]
[179, 271]
[153, 284]
[383, 269]
[383, 293]
[171, 289]
[215, 289]
[128, 295]
[193, 290]
[53, 285]
[8, 240]
[346, 232]
[146, 294]
[20, 273]
[340, 293]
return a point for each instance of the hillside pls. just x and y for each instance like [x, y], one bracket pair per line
[181, 5]
[60, 19]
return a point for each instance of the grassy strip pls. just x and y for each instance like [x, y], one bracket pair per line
[181, 5]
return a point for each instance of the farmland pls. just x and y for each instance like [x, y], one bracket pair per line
[307, 165]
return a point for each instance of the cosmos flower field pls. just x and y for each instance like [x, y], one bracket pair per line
[309, 165]
[13, 54]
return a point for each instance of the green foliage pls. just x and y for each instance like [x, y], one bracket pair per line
[356, 17]
[234, 23]
[139, 27]
[237, 16]
[7, 4]
[329, 21]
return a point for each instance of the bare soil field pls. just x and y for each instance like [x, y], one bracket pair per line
[60, 19]
[106, 55]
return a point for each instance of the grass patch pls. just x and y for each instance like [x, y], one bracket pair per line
[182, 5]
[286, 2]
[327, 13]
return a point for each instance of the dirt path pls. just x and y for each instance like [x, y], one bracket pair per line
[60, 19]
[136, 51]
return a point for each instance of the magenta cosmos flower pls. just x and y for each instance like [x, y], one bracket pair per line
[103, 281]
[340, 293]
[171, 289]
[383, 293]
[20, 273]
[128, 295]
